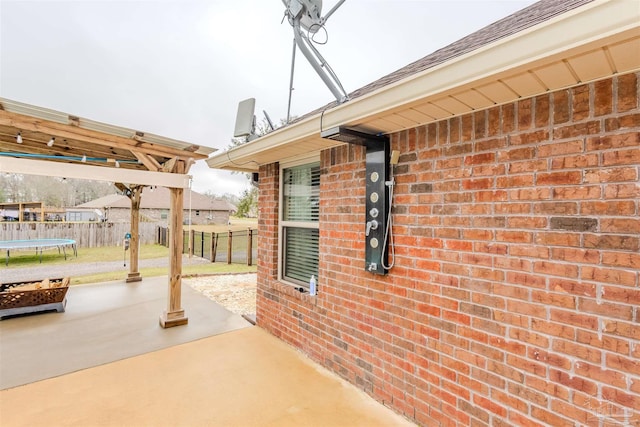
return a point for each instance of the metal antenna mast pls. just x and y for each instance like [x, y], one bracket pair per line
[306, 14]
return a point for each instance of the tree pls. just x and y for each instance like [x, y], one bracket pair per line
[52, 191]
[248, 205]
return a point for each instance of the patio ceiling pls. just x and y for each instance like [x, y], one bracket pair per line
[591, 42]
[74, 147]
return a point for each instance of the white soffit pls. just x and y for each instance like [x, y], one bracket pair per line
[585, 44]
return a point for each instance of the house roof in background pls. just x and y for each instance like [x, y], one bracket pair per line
[545, 47]
[159, 198]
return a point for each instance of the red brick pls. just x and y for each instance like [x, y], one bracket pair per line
[574, 318]
[608, 309]
[585, 385]
[615, 141]
[622, 208]
[627, 86]
[603, 97]
[559, 178]
[561, 149]
[508, 118]
[480, 124]
[561, 109]
[623, 364]
[611, 175]
[494, 125]
[558, 239]
[622, 191]
[577, 130]
[531, 194]
[489, 405]
[620, 397]
[619, 225]
[580, 105]
[549, 418]
[621, 157]
[575, 161]
[549, 388]
[621, 122]
[621, 259]
[606, 341]
[609, 275]
[573, 349]
[566, 409]
[577, 193]
[596, 373]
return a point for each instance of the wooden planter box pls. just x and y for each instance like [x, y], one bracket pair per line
[25, 297]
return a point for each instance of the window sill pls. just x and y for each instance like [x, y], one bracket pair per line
[293, 290]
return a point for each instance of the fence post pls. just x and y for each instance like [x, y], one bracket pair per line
[214, 244]
[249, 247]
[202, 244]
[191, 235]
[229, 247]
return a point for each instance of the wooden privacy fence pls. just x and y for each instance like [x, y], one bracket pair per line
[86, 234]
[232, 247]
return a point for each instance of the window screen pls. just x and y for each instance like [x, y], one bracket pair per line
[300, 215]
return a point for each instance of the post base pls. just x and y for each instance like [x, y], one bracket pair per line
[174, 318]
[133, 277]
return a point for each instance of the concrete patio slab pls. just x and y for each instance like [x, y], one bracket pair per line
[241, 378]
[103, 323]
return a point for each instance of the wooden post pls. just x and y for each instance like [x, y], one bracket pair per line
[212, 249]
[229, 247]
[249, 247]
[214, 246]
[134, 247]
[174, 315]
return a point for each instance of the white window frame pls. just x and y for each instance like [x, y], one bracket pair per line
[299, 161]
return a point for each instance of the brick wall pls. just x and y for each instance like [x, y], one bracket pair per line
[205, 217]
[515, 295]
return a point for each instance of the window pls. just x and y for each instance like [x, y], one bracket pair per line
[300, 209]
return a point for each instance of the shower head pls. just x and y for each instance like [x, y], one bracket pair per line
[351, 136]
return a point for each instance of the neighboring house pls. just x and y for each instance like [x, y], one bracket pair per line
[95, 210]
[514, 298]
[154, 207]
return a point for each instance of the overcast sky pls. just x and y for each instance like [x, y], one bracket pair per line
[179, 68]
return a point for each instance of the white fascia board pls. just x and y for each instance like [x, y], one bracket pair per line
[94, 173]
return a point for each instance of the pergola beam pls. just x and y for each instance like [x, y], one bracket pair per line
[95, 173]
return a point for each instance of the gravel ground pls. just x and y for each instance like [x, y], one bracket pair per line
[235, 292]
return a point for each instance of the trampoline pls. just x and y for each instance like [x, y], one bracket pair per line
[39, 245]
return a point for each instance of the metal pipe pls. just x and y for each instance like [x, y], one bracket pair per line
[325, 73]
[333, 9]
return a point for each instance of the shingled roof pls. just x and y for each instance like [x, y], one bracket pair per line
[505, 27]
[159, 199]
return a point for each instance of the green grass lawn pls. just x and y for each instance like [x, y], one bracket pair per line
[26, 259]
